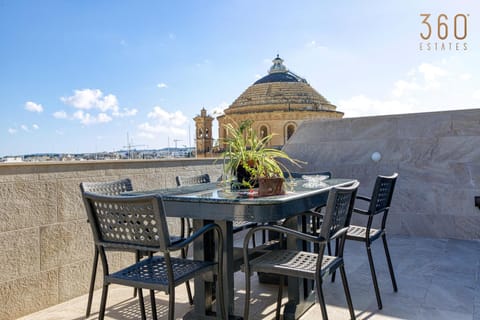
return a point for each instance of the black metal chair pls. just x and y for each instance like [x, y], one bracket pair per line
[205, 178]
[114, 188]
[139, 223]
[315, 219]
[106, 188]
[306, 264]
[379, 204]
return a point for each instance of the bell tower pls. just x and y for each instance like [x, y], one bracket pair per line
[203, 134]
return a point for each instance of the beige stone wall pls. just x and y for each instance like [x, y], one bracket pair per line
[46, 247]
[276, 121]
[437, 156]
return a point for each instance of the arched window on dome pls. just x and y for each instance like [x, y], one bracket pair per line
[263, 132]
[290, 130]
[200, 133]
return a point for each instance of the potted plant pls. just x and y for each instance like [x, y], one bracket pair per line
[253, 162]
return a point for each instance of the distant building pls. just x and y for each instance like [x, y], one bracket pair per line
[12, 159]
[203, 134]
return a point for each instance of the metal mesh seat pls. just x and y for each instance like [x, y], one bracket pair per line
[114, 188]
[379, 205]
[139, 223]
[306, 264]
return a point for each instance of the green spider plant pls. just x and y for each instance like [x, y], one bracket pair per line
[248, 152]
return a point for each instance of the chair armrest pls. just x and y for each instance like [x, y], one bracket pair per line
[310, 213]
[339, 233]
[364, 198]
[361, 211]
[283, 230]
[184, 243]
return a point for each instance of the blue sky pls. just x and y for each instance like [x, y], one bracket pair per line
[79, 76]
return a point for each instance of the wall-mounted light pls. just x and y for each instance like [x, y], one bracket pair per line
[376, 156]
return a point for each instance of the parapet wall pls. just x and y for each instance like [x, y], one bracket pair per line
[436, 154]
[46, 247]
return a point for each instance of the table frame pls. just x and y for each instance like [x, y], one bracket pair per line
[190, 202]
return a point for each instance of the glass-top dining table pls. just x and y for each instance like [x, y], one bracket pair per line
[216, 202]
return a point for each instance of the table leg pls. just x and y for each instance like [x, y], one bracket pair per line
[204, 289]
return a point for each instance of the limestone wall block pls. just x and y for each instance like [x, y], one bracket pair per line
[19, 253]
[27, 204]
[64, 243]
[74, 278]
[29, 294]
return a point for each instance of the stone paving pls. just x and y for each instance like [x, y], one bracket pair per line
[437, 279]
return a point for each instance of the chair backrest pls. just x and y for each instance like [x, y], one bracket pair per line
[382, 194]
[190, 180]
[111, 188]
[339, 210]
[128, 222]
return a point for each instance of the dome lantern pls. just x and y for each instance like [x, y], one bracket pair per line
[277, 65]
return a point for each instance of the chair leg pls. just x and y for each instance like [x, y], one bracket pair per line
[138, 257]
[153, 305]
[92, 283]
[374, 277]
[389, 261]
[321, 299]
[222, 314]
[103, 302]
[171, 302]
[142, 304]
[347, 292]
[184, 253]
[246, 308]
[279, 297]
[330, 253]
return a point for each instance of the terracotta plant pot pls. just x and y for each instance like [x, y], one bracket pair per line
[270, 186]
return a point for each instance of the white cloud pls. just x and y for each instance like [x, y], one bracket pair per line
[87, 119]
[218, 111]
[162, 85]
[35, 126]
[314, 45]
[465, 76]
[172, 36]
[125, 113]
[60, 114]
[431, 72]
[430, 78]
[423, 89]
[402, 86]
[33, 107]
[476, 95]
[101, 108]
[361, 105]
[92, 99]
[24, 127]
[12, 130]
[163, 122]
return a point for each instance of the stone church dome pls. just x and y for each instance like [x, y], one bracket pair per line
[277, 103]
[280, 90]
